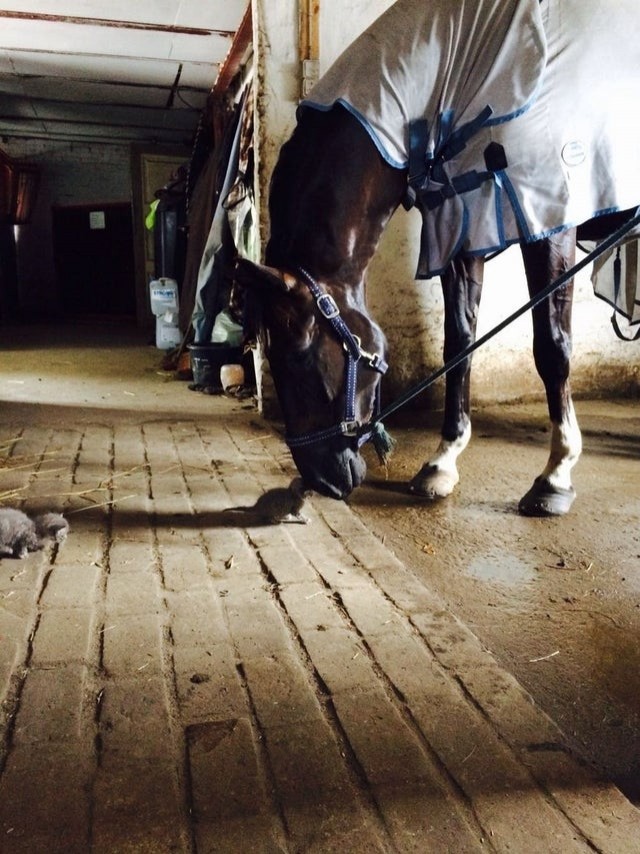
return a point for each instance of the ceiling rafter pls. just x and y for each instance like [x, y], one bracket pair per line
[75, 64]
[112, 22]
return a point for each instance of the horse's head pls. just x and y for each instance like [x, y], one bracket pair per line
[326, 357]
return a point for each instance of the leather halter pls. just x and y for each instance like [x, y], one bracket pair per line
[349, 426]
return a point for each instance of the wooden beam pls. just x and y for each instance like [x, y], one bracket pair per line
[309, 29]
[236, 55]
[109, 22]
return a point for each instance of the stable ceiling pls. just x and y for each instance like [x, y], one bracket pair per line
[111, 70]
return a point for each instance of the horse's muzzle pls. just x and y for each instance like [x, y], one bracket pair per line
[331, 472]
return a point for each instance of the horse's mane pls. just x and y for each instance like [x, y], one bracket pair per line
[291, 183]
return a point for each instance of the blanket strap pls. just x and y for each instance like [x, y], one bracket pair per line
[457, 140]
[617, 275]
[464, 183]
[426, 167]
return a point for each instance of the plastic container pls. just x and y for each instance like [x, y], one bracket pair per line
[168, 333]
[207, 359]
[164, 296]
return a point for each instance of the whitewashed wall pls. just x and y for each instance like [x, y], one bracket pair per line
[411, 311]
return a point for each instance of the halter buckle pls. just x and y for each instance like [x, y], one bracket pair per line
[327, 306]
[350, 428]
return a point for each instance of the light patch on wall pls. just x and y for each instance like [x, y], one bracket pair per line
[96, 220]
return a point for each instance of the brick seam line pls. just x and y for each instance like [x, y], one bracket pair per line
[10, 705]
[424, 737]
[269, 779]
[177, 729]
[402, 705]
[96, 675]
[544, 765]
[105, 678]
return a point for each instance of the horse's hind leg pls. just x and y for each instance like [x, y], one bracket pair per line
[462, 288]
[552, 493]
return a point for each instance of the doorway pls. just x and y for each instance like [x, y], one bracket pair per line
[94, 260]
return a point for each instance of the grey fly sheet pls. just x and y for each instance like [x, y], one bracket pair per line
[515, 118]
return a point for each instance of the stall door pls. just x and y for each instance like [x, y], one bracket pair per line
[93, 251]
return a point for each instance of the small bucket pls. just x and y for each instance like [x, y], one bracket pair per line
[207, 359]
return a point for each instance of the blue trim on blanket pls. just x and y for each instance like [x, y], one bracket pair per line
[500, 120]
[487, 250]
[515, 204]
[324, 108]
[567, 225]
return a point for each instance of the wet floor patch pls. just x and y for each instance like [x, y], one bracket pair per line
[501, 567]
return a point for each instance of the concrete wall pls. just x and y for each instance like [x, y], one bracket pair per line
[409, 311]
[71, 174]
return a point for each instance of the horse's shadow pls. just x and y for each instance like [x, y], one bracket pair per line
[397, 496]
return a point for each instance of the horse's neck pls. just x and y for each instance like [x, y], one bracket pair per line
[332, 196]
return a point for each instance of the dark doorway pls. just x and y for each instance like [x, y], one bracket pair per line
[93, 252]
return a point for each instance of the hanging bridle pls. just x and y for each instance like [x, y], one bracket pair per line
[354, 355]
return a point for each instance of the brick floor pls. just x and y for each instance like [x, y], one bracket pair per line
[176, 678]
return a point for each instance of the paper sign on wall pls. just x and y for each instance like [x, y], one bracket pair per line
[96, 219]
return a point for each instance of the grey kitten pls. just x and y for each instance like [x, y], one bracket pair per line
[20, 535]
[282, 504]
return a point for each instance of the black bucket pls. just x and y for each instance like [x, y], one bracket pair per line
[207, 359]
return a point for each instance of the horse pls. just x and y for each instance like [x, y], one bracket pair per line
[332, 194]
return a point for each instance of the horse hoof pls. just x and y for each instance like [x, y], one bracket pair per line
[432, 483]
[543, 499]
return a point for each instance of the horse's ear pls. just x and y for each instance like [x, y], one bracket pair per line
[249, 274]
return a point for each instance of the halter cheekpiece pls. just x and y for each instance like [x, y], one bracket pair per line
[354, 354]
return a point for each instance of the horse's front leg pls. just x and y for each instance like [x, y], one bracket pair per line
[462, 288]
[552, 493]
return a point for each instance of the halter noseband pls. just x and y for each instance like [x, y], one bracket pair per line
[349, 426]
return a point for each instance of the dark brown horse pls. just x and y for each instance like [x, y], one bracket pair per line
[332, 195]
